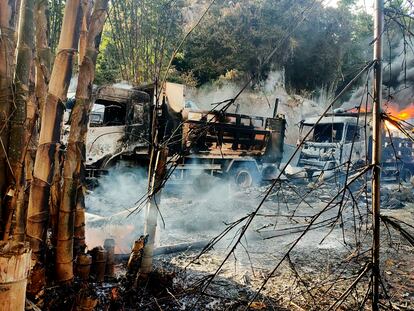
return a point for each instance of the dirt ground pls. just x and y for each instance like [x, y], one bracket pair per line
[317, 271]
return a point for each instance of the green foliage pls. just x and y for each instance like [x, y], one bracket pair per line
[236, 37]
[56, 8]
[322, 49]
[316, 59]
[107, 67]
[138, 40]
[316, 46]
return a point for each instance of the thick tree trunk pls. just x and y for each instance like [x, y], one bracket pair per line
[75, 153]
[7, 46]
[52, 113]
[21, 125]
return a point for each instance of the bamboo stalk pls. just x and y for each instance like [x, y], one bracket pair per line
[44, 55]
[42, 76]
[54, 201]
[87, 9]
[79, 244]
[17, 20]
[21, 122]
[15, 266]
[75, 152]
[376, 151]
[152, 211]
[52, 113]
[135, 258]
[7, 45]
[19, 232]
[109, 246]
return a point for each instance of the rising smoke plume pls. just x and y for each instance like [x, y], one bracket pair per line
[398, 80]
[260, 101]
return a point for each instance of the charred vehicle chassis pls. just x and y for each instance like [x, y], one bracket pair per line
[245, 148]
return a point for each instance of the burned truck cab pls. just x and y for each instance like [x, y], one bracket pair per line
[241, 147]
[335, 140]
[118, 127]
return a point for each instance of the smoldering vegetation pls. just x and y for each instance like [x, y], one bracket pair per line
[327, 257]
[192, 211]
[201, 209]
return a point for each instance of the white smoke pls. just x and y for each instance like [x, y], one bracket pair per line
[261, 100]
[398, 77]
[192, 209]
[109, 206]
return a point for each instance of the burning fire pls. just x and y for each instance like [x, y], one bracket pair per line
[405, 114]
[357, 110]
[393, 111]
[390, 126]
[398, 115]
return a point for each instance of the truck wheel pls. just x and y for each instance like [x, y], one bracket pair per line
[245, 176]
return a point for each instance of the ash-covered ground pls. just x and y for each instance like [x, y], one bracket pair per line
[313, 274]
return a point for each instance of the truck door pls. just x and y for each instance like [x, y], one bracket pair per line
[138, 121]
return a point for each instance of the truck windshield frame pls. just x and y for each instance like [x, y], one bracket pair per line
[325, 132]
[108, 113]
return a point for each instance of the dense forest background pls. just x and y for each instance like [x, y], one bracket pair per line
[316, 47]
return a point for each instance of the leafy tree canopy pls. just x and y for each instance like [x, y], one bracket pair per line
[316, 46]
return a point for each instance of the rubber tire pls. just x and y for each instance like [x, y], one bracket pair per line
[245, 177]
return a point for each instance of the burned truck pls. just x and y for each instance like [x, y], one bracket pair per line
[343, 137]
[244, 148]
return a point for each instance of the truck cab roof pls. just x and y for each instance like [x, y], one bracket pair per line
[351, 118]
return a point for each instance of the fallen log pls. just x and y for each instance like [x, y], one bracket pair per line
[168, 249]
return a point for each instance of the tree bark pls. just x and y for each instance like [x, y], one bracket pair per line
[55, 196]
[75, 153]
[52, 113]
[7, 46]
[87, 9]
[44, 55]
[21, 125]
[15, 266]
[79, 244]
[41, 77]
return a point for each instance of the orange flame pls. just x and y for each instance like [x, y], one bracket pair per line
[357, 110]
[404, 114]
[396, 114]
[115, 293]
[390, 126]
